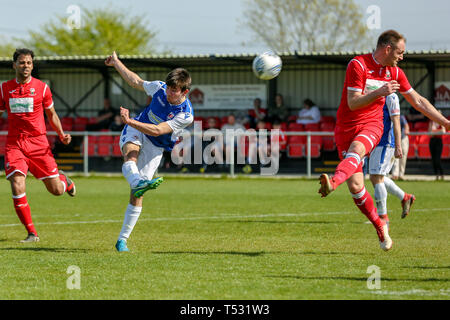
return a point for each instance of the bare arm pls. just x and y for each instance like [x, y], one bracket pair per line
[424, 106]
[357, 100]
[56, 125]
[129, 76]
[146, 128]
[398, 153]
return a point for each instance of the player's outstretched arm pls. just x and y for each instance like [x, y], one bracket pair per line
[398, 153]
[129, 76]
[56, 125]
[146, 128]
[424, 106]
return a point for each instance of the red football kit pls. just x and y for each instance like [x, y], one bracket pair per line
[364, 74]
[27, 146]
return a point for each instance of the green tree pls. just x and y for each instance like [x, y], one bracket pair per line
[307, 25]
[101, 31]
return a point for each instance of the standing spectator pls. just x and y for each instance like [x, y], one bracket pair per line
[214, 143]
[415, 116]
[278, 112]
[436, 148]
[105, 117]
[235, 127]
[398, 171]
[117, 124]
[258, 113]
[309, 114]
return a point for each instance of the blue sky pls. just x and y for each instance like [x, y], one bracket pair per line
[211, 26]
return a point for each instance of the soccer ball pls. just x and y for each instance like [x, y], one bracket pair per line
[267, 65]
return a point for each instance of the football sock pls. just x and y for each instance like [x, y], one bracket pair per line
[393, 188]
[131, 173]
[131, 217]
[365, 204]
[63, 182]
[381, 198]
[346, 168]
[23, 212]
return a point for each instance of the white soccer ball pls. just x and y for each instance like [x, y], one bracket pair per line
[267, 65]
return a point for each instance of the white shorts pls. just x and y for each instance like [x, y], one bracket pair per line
[149, 155]
[381, 160]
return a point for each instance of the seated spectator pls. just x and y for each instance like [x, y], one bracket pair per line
[415, 116]
[117, 124]
[105, 117]
[278, 112]
[256, 114]
[281, 137]
[309, 114]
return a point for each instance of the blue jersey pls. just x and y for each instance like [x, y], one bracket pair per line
[160, 110]
[390, 108]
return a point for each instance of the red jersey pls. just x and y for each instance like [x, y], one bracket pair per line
[25, 104]
[364, 74]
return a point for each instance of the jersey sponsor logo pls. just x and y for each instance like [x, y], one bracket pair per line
[372, 85]
[20, 105]
[154, 118]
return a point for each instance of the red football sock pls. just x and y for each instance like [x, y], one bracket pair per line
[24, 213]
[346, 168]
[365, 204]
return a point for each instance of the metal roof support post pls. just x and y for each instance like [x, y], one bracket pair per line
[431, 68]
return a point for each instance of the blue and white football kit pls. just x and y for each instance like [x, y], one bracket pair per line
[151, 148]
[160, 110]
[382, 157]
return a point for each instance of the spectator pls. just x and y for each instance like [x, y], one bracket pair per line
[117, 124]
[278, 112]
[309, 114]
[214, 143]
[105, 117]
[234, 126]
[258, 113]
[436, 148]
[398, 171]
[254, 147]
[415, 116]
[282, 139]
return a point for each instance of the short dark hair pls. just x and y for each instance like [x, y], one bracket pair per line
[309, 102]
[389, 37]
[23, 51]
[180, 78]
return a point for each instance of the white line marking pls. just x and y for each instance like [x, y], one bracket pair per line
[420, 292]
[223, 216]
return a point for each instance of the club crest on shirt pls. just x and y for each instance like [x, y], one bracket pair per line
[388, 74]
[170, 116]
[32, 91]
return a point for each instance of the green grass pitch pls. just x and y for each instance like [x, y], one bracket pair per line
[223, 239]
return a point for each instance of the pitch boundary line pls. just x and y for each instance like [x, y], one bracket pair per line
[223, 216]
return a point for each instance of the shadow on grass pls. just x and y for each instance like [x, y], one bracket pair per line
[427, 267]
[359, 279]
[248, 254]
[43, 249]
[280, 221]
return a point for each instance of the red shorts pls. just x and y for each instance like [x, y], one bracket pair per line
[30, 153]
[368, 134]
